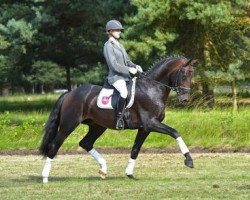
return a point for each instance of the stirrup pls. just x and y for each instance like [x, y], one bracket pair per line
[119, 124]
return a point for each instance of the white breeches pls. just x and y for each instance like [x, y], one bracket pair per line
[120, 85]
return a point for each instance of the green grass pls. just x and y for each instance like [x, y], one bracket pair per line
[27, 103]
[22, 119]
[213, 129]
[160, 176]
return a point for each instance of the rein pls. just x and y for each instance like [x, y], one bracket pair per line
[174, 88]
[142, 75]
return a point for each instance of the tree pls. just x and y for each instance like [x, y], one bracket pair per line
[201, 29]
[18, 27]
[45, 73]
[66, 33]
[73, 36]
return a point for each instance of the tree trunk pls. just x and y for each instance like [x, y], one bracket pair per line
[234, 92]
[33, 89]
[42, 88]
[208, 95]
[207, 91]
[68, 78]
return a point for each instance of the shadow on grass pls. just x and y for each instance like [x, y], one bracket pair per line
[38, 179]
[244, 187]
[31, 180]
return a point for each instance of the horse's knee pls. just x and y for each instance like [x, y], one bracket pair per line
[86, 145]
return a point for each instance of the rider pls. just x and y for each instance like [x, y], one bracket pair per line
[120, 67]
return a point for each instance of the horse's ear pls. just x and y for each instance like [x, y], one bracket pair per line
[194, 61]
[190, 62]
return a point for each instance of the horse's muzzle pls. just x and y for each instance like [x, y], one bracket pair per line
[183, 98]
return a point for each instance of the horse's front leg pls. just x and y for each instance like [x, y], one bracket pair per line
[156, 126]
[140, 138]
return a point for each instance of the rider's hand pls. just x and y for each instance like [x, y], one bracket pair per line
[138, 67]
[132, 70]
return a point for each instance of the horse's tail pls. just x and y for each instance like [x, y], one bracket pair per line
[51, 127]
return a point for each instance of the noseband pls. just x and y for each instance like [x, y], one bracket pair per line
[176, 87]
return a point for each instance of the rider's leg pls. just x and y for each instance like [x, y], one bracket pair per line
[121, 87]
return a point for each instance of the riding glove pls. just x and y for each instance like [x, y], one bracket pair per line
[138, 67]
[132, 70]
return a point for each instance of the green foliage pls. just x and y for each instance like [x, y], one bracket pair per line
[67, 38]
[207, 13]
[4, 68]
[95, 75]
[234, 71]
[70, 39]
[46, 72]
[4, 44]
[215, 32]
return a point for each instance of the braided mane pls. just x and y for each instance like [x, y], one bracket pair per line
[161, 61]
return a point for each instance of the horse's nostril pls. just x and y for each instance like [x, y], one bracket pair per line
[183, 98]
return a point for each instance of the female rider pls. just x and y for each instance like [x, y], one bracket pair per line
[121, 68]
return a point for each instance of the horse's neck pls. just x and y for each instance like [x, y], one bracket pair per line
[161, 74]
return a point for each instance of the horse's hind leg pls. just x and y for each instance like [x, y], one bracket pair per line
[64, 131]
[95, 131]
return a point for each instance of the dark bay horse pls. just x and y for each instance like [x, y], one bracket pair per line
[152, 90]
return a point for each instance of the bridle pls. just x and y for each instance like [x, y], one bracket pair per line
[177, 88]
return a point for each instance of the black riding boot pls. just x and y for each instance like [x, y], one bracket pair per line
[119, 113]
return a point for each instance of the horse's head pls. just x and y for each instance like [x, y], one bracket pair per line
[181, 80]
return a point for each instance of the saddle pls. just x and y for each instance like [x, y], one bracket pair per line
[108, 96]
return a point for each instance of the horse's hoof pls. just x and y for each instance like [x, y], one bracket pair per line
[189, 163]
[130, 176]
[102, 174]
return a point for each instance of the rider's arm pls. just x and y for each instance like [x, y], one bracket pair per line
[112, 61]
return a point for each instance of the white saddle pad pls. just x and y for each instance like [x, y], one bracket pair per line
[104, 98]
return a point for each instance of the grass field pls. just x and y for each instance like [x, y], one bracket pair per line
[160, 176]
[22, 119]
